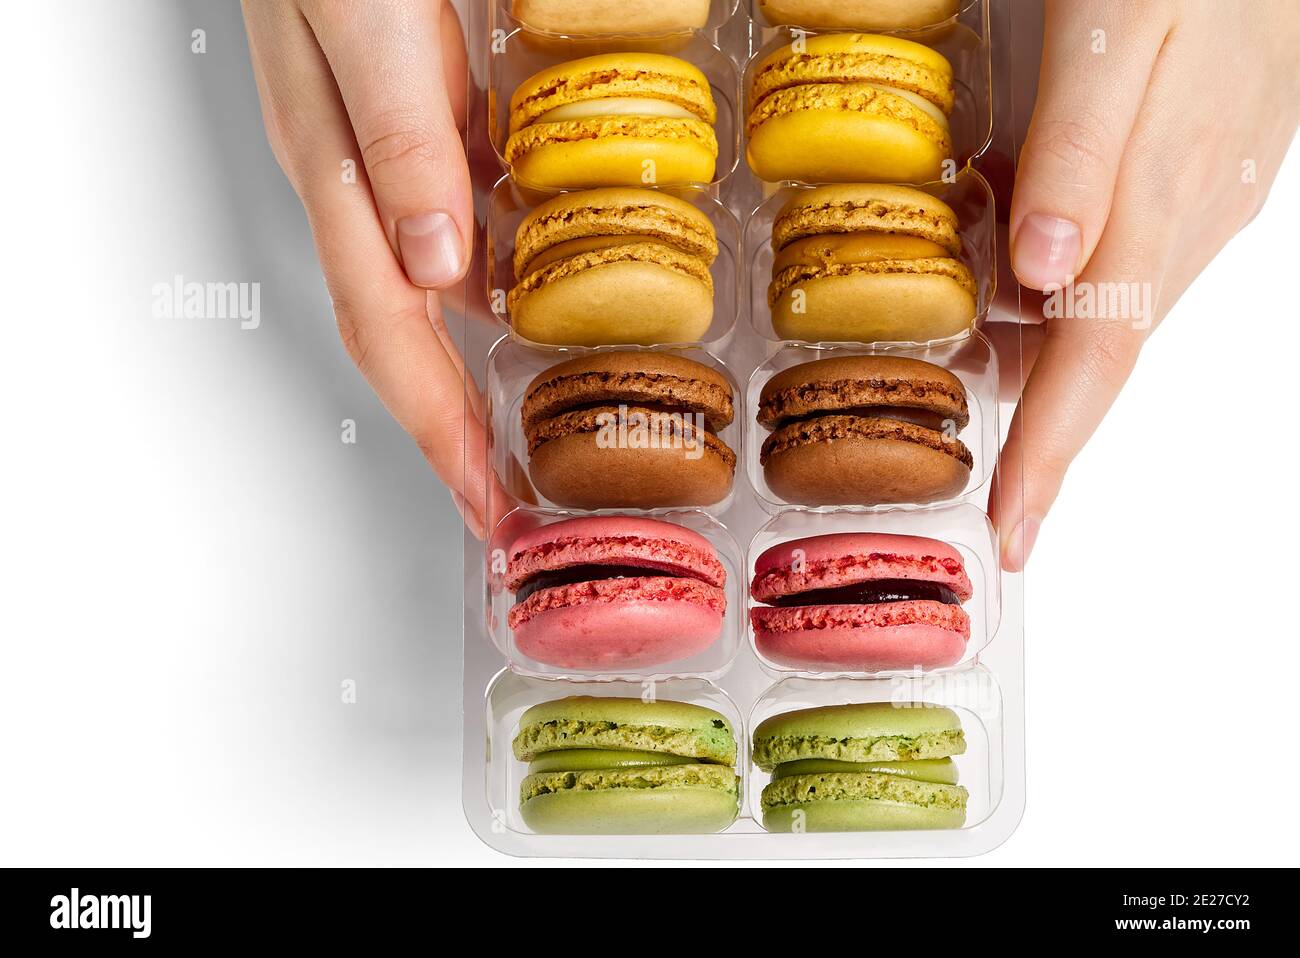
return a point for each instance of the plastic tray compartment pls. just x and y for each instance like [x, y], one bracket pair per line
[971, 199]
[511, 367]
[518, 55]
[508, 205]
[972, 693]
[510, 694]
[711, 663]
[972, 360]
[962, 525]
[964, 41]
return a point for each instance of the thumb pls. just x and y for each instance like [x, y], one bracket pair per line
[397, 102]
[1097, 61]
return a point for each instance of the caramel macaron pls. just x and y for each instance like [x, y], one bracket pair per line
[851, 108]
[603, 17]
[864, 430]
[617, 119]
[869, 264]
[613, 266]
[630, 430]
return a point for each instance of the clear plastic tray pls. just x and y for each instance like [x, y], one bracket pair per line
[985, 687]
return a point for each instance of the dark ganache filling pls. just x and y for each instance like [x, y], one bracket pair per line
[583, 573]
[873, 593]
[636, 407]
[920, 417]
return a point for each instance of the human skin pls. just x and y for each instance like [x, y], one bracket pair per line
[1143, 158]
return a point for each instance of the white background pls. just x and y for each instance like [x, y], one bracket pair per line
[194, 562]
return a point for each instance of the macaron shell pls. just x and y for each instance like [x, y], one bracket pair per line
[867, 208]
[574, 471]
[846, 383]
[839, 135]
[861, 720]
[613, 151]
[825, 465]
[615, 722]
[664, 378]
[868, 307]
[658, 811]
[634, 303]
[858, 14]
[594, 17]
[620, 623]
[607, 76]
[860, 815]
[848, 558]
[614, 211]
[862, 638]
[615, 540]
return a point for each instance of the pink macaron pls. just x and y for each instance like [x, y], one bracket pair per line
[613, 592]
[861, 602]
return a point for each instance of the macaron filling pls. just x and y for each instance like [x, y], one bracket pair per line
[877, 592]
[833, 425]
[926, 418]
[941, 771]
[617, 106]
[713, 745]
[773, 750]
[582, 573]
[694, 775]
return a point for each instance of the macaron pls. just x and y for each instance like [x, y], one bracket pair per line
[858, 14]
[869, 264]
[613, 266]
[614, 592]
[617, 119]
[861, 602]
[864, 430]
[621, 766]
[602, 17]
[851, 108]
[629, 430]
[871, 767]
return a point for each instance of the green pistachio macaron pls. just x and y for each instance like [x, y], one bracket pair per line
[620, 766]
[871, 767]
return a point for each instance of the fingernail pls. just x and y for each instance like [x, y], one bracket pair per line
[431, 246]
[1021, 544]
[1046, 251]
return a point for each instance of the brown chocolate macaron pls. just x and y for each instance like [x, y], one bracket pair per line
[864, 430]
[629, 430]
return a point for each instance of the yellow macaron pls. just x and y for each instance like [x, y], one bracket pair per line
[613, 266]
[617, 119]
[851, 107]
[858, 14]
[871, 264]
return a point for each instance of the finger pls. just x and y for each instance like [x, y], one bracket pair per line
[404, 124]
[387, 324]
[1086, 358]
[1097, 61]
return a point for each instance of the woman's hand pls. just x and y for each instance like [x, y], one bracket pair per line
[363, 104]
[1158, 130]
